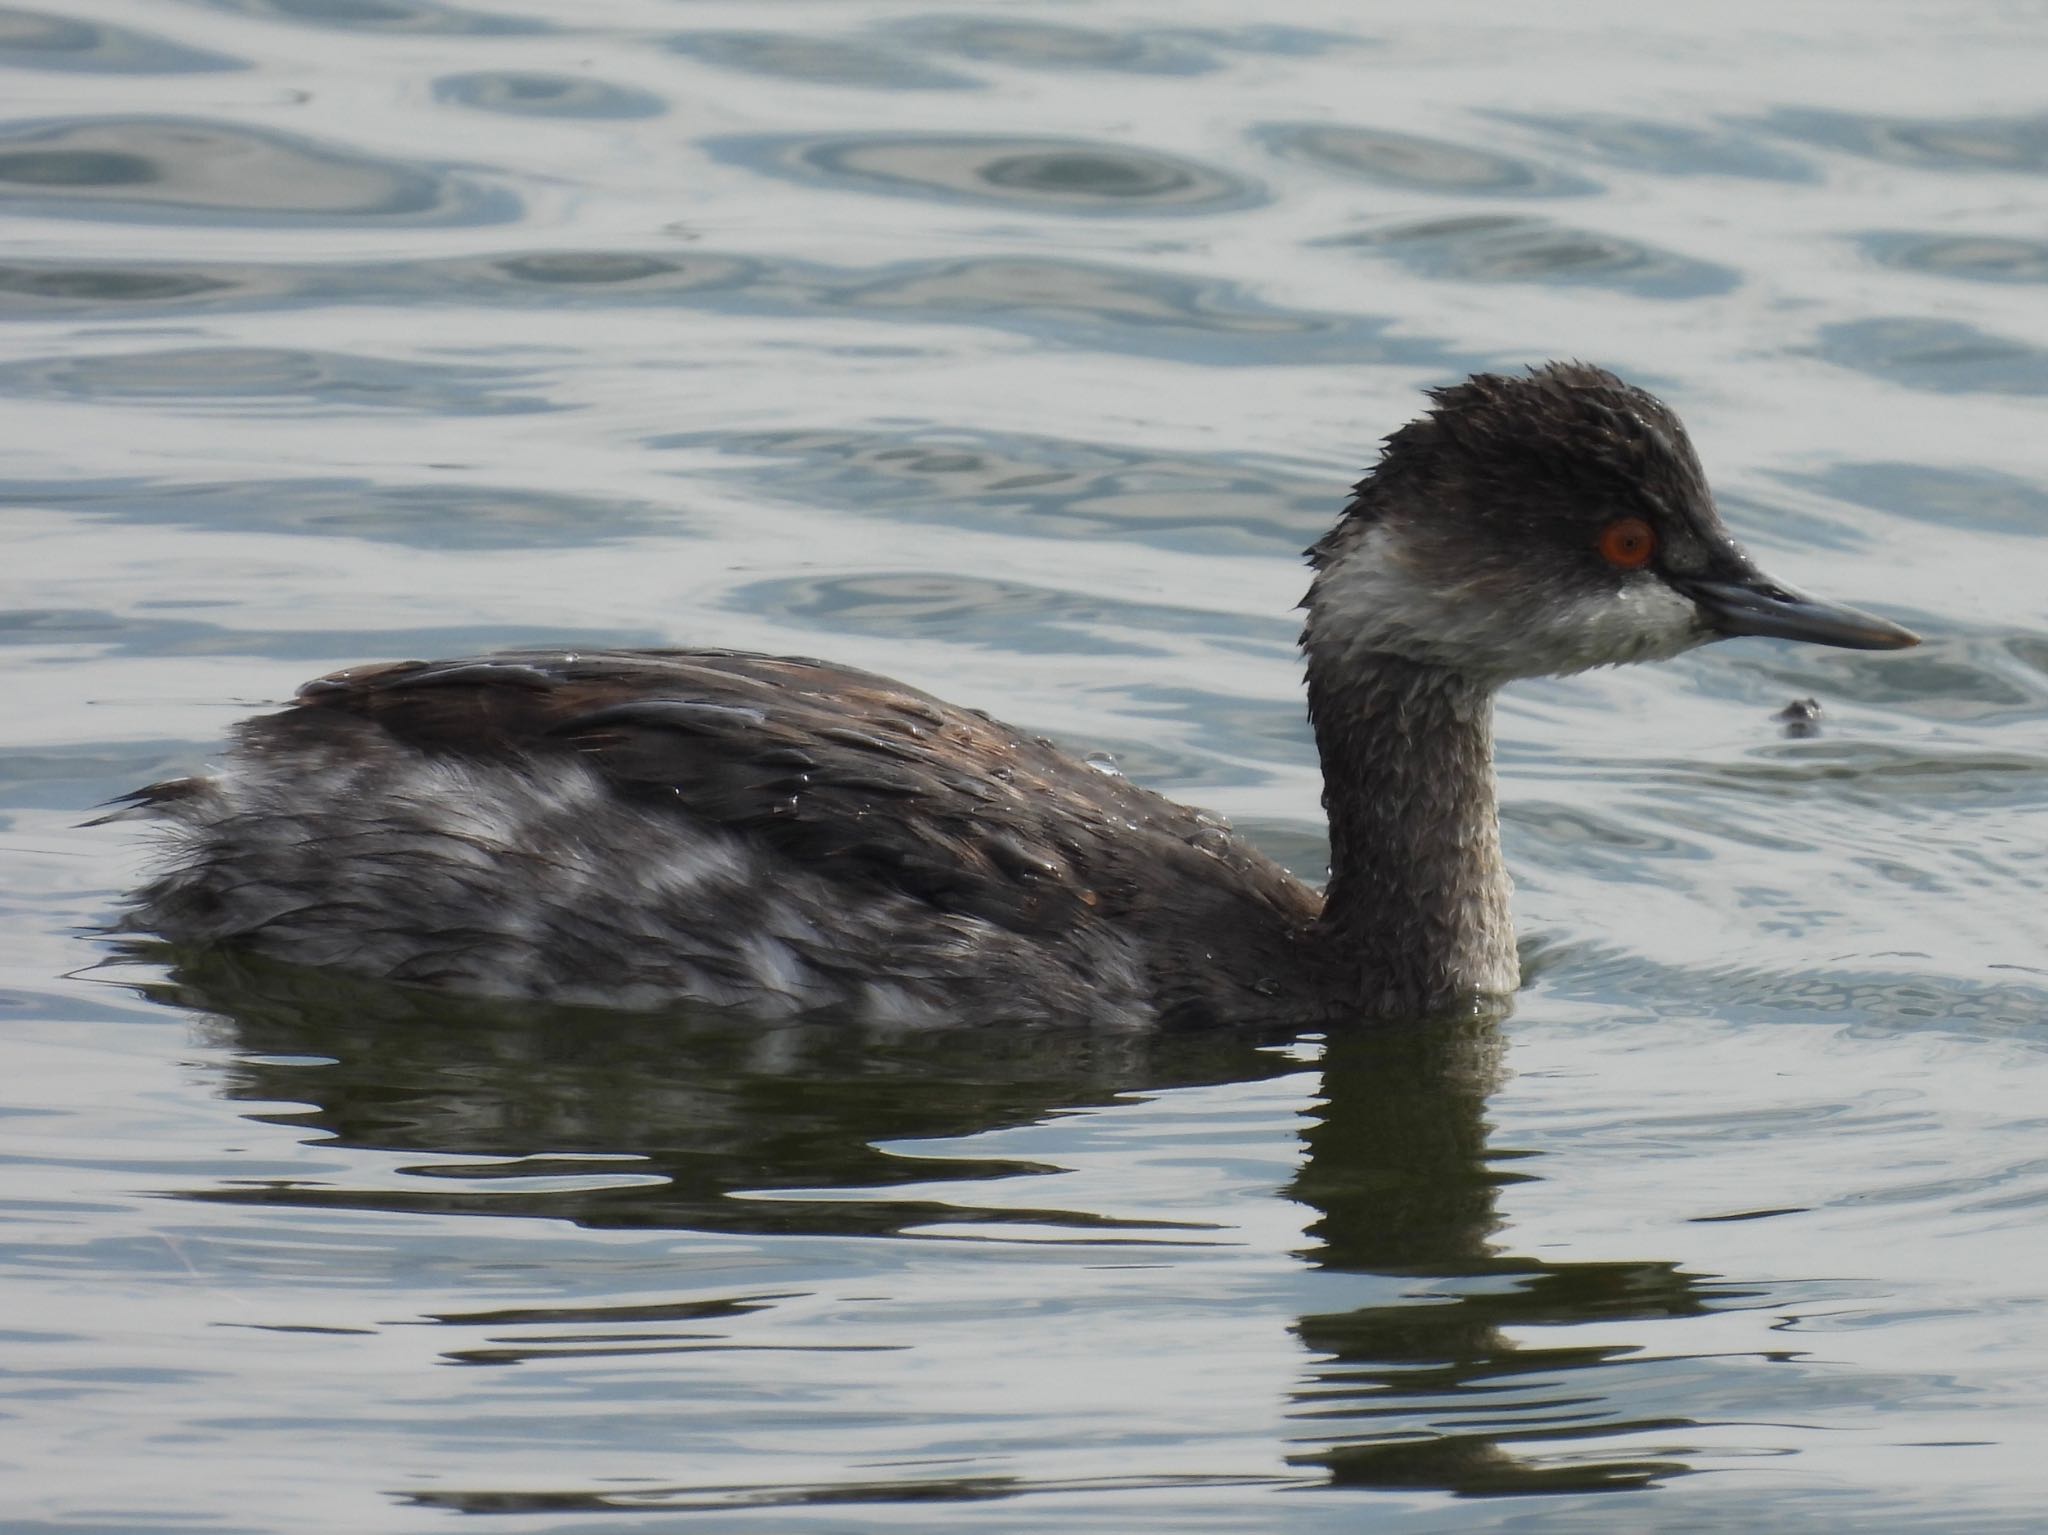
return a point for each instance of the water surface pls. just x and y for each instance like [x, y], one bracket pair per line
[1018, 352]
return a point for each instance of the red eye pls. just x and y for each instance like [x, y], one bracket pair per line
[1628, 543]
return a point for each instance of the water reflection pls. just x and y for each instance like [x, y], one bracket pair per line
[1978, 258]
[1052, 45]
[1444, 1386]
[37, 40]
[1407, 161]
[1130, 310]
[1940, 356]
[1953, 498]
[708, 1123]
[90, 286]
[1056, 175]
[273, 379]
[1122, 309]
[161, 169]
[2006, 999]
[622, 1121]
[1004, 615]
[407, 515]
[862, 1494]
[126, 634]
[1944, 144]
[614, 269]
[527, 93]
[1043, 486]
[818, 60]
[415, 16]
[1500, 247]
[1668, 149]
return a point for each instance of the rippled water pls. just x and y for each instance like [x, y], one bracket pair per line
[1017, 351]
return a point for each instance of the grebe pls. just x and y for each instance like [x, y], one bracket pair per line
[636, 828]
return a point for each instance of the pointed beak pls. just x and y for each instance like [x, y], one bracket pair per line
[1755, 604]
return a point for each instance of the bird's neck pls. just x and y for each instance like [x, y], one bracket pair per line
[1415, 917]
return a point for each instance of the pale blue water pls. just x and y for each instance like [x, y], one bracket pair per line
[1016, 351]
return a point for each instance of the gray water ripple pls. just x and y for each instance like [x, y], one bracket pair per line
[78, 775]
[1129, 310]
[1008, 616]
[123, 634]
[1955, 677]
[1867, 1002]
[866, 1493]
[91, 287]
[1040, 486]
[1922, 143]
[819, 60]
[86, 288]
[1084, 305]
[1976, 258]
[1492, 247]
[1278, 39]
[1048, 174]
[427, 17]
[1666, 148]
[37, 40]
[1840, 770]
[1413, 163]
[616, 270]
[406, 516]
[1562, 838]
[1940, 356]
[271, 379]
[1242, 739]
[178, 170]
[1966, 500]
[1055, 45]
[527, 93]
[1813, 528]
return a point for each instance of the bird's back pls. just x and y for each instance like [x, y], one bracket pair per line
[778, 834]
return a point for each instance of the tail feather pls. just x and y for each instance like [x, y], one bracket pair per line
[171, 798]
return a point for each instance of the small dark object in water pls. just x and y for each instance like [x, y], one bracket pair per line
[1801, 718]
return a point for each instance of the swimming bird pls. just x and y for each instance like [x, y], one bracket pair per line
[635, 828]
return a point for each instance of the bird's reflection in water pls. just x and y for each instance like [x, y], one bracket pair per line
[1446, 1386]
[689, 1106]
